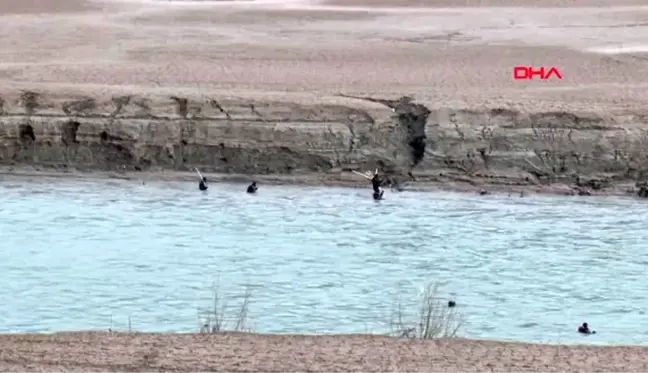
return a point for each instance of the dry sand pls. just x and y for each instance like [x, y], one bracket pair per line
[480, 3]
[442, 56]
[232, 352]
[46, 7]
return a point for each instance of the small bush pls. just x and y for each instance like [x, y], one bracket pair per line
[435, 319]
[220, 318]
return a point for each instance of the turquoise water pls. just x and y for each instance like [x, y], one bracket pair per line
[91, 255]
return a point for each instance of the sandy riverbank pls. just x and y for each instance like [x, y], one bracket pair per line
[232, 352]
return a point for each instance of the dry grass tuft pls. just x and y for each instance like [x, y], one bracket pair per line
[221, 318]
[435, 319]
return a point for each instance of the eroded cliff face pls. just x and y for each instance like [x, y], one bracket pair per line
[229, 136]
[585, 150]
[329, 135]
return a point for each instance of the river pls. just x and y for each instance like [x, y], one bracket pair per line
[100, 254]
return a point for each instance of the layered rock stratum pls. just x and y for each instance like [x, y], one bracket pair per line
[328, 135]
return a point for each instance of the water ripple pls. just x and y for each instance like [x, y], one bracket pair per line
[87, 255]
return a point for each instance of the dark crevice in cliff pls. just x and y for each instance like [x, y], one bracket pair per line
[69, 132]
[23, 149]
[26, 134]
[413, 117]
[182, 106]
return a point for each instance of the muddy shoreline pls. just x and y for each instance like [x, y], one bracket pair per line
[12, 174]
[246, 352]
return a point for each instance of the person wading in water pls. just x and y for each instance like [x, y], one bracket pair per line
[252, 188]
[376, 183]
[584, 329]
[202, 185]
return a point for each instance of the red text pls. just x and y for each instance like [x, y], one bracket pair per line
[529, 72]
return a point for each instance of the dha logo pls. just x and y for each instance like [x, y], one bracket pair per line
[529, 72]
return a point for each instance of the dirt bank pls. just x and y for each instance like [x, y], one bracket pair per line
[326, 136]
[101, 352]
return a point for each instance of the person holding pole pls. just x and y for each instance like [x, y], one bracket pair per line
[376, 183]
[202, 185]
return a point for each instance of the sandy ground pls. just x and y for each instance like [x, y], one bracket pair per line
[32, 7]
[459, 56]
[273, 353]
[480, 3]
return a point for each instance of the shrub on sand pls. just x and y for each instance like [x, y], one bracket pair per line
[220, 318]
[435, 319]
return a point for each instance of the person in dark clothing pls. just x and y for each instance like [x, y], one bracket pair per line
[584, 329]
[203, 184]
[252, 188]
[376, 182]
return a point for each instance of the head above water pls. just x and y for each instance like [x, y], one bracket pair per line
[584, 329]
[204, 179]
